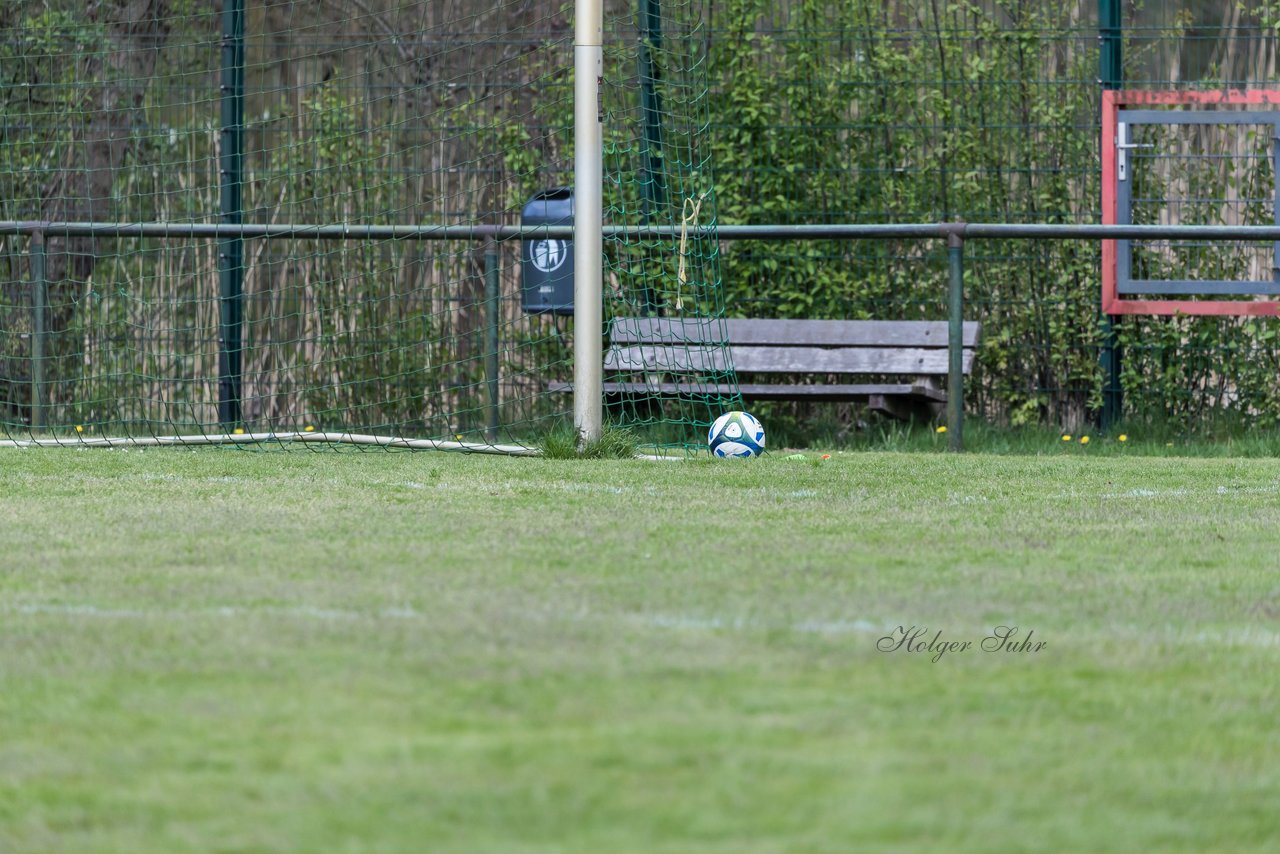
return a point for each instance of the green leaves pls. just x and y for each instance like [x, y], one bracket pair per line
[854, 111]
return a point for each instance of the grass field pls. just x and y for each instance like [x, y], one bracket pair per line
[350, 652]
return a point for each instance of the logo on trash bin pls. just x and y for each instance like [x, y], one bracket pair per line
[548, 255]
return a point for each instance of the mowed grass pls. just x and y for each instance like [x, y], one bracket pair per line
[231, 651]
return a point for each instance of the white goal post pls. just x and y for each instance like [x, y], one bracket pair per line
[588, 221]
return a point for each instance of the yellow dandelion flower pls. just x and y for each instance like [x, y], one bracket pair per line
[79, 428]
[942, 429]
[309, 429]
[1066, 437]
[1123, 437]
[239, 431]
[1084, 440]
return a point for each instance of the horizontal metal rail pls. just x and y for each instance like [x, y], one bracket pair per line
[955, 233]
[842, 231]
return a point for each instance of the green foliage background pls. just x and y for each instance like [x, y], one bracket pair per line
[805, 112]
[927, 110]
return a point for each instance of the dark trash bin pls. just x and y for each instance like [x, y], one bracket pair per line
[546, 264]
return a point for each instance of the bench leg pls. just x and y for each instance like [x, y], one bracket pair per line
[903, 408]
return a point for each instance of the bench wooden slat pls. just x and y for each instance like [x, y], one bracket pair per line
[781, 360]
[664, 357]
[758, 391]
[812, 333]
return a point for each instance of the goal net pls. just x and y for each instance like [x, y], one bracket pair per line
[370, 165]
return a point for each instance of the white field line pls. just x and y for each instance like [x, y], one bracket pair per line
[1136, 493]
[301, 611]
[1248, 637]
[1179, 493]
[80, 441]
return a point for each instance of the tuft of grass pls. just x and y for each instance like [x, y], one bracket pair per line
[560, 444]
[615, 443]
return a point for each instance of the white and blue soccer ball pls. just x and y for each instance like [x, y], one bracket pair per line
[736, 434]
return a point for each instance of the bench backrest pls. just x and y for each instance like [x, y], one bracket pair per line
[784, 346]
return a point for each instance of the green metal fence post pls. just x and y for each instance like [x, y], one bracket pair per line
[955, 339]
[493, 309]
[39, 313]
[231, 249]
[1111, 76]
[653, 178]
[653, 181]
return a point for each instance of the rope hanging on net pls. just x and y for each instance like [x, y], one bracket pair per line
[682, 274]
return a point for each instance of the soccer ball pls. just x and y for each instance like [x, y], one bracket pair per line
[736, 434]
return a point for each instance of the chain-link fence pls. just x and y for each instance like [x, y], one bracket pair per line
[812, 111]
[922, 110]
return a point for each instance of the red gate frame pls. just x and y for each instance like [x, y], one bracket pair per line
[1112, 101]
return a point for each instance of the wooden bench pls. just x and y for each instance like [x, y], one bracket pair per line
[674, 357]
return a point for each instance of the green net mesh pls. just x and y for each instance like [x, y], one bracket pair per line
[328, 117]
[664, 291]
